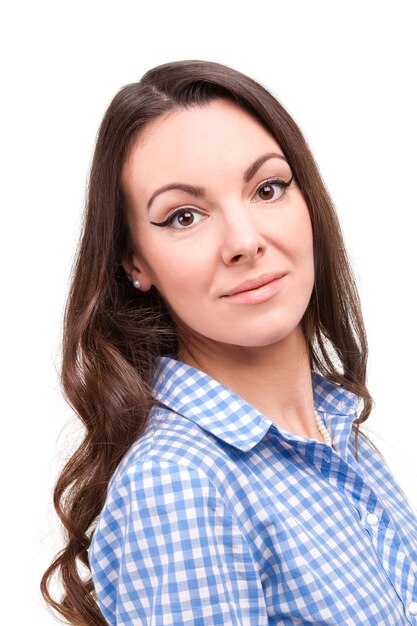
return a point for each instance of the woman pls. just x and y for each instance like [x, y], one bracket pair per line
[215, 350]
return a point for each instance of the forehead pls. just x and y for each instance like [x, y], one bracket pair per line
[217, 137]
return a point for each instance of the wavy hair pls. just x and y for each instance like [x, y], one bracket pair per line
[112, 333]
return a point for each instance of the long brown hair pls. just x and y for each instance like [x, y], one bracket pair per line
[113, 333]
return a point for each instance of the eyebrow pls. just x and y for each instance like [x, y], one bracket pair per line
[199, 192]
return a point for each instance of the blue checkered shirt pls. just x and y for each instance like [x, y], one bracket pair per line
[218, 516]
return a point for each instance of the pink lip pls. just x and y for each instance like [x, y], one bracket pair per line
[254, 283]
[255, 296]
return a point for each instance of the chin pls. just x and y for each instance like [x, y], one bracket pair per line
[246, 333]
[252, 339]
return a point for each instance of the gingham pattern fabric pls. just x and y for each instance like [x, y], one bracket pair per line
[217, 516]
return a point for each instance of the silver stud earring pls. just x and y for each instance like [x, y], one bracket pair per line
[136, 283]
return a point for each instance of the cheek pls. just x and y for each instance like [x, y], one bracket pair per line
[177, 269]
[294, 234]
[302, 232]
[300, 236]
[306, 250]
[303, 215]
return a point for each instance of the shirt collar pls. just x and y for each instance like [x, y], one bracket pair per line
[218, 410]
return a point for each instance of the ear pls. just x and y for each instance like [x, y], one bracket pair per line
[135, 269]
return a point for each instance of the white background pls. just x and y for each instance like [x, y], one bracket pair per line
[344, 70]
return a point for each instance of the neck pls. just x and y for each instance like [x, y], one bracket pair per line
[274, 379]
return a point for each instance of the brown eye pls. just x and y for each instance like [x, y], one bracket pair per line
[185, 218]
[179, 218]
[267, 192]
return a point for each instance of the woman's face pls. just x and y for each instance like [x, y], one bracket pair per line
[234, 227]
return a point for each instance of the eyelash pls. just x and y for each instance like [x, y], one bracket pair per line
[177, 212]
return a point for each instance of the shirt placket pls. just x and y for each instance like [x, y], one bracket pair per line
[346, 476]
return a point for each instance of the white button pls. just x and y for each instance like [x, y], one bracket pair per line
[372, 519]
[412, 607]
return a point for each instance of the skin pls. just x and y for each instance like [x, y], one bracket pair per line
[239, 231]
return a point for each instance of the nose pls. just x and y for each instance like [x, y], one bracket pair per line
[242, 242]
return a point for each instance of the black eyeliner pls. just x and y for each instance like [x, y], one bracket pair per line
[168, 221]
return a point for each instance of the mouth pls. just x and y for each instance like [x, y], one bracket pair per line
[254, 283]
[260, 291]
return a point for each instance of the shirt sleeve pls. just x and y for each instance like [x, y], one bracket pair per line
[169, 552]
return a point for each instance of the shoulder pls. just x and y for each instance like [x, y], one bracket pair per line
[174, 461]
[156, 487]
